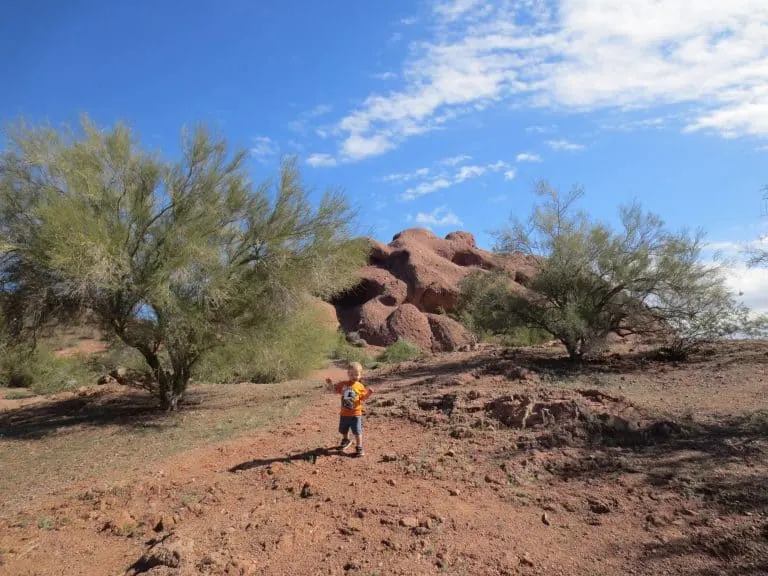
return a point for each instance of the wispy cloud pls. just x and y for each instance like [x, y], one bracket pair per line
[528, 157]
[440, 216]
[263, 147]
[444, 180]
[655, 122]
[454, 160]
[409, 21]
[384, 76]
[300, 124]
[406, 176]
[321, 161]
[541, 129]
[573, 55]
[510, 174]
[498, 199]
[565, 145]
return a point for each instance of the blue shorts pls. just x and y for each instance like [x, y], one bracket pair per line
[353, 423]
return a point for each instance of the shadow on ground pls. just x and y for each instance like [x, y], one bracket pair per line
[309, 456]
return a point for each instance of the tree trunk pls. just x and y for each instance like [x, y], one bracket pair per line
[170, 385]
[171, 388]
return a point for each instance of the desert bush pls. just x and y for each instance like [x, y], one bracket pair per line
[400, 351]
[349, 353]
[39, 370]
[173, 258]
[592, 280]
[291, 349]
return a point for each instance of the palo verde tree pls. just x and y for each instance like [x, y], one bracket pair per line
[593, 280]
[173, 258]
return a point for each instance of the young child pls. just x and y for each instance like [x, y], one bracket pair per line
[353, 393]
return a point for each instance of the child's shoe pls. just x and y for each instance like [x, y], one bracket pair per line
[359, 452]
[345, 443]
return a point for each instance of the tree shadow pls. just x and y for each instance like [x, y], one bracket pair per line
[37, 421]
[737, 552]
[310, 456]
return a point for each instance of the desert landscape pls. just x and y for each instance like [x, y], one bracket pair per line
[493, 461]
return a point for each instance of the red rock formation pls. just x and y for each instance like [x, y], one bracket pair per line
[409, 282]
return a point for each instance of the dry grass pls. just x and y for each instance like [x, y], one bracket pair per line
[49, 444]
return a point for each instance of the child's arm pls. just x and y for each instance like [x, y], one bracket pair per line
[367, 393]
[331, 387]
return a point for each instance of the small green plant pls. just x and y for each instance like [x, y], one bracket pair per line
[19, 394]
[45, 524]
[400, 351]
[348, 353]
[40, 371]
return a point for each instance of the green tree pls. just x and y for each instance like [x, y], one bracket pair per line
[174, 258]
[592, 280]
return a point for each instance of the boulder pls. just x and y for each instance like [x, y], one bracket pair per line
[447, 334]
[373, 326]
[409, 323]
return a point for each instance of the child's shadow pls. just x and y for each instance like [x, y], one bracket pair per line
[310, 456]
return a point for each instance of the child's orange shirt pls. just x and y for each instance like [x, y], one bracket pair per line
[352, 396]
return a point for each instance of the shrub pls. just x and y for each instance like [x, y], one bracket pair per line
[42, 372]
[349, 353]
[400, 351]
[292, 349]
[592, 280]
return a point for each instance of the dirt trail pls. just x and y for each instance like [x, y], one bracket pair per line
[447, 487]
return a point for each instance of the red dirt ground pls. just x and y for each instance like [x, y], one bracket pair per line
[481, 463]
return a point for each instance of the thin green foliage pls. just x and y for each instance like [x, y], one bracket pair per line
[400, 351]
[592, 280]
[173, 258]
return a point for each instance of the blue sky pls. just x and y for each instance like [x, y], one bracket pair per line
[436, 113]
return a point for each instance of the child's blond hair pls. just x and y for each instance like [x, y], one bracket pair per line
[356, 366]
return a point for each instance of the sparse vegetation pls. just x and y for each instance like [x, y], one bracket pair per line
[175, 259]
[592, 281]
[348, 353]
[400, 351]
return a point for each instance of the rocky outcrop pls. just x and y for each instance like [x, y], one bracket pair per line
[409, 285]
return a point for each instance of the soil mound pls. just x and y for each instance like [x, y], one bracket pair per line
[577, 417]
[412, 282]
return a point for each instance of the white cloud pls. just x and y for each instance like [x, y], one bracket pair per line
[751, 284]
[263, 147]
[528, 157]
[407, 176]
[565, 145]
[708, 58]
[440, 216]
[358, 147]
[454, 160]
[441, 181]
[395, 38]
[300, 124]
[384, 76]
[425, 188]
[510, 174]
[453, 9]
[321, 160]
[498, 199]
[409, 21]
[655, 122]
[541, 129]
[763, 148]
[320, 110]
